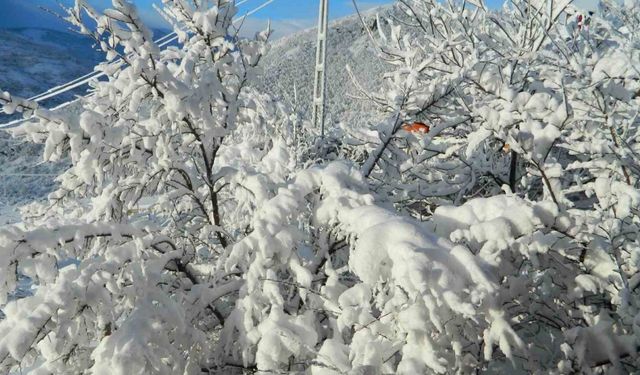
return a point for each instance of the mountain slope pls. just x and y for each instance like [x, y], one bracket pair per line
[291, 63]
[27, 13]
[34, 60]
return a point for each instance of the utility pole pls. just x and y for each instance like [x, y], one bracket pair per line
[320, 82]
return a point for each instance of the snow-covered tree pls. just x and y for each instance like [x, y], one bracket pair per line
[168, 159]
[186, 238]
[529, 101]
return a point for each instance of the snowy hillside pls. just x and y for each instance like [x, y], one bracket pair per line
[290, 64]
[32, 61]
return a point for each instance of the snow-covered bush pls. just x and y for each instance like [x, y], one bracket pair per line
[168, 160]
[178, 242]
[527, 101]
[499, 91]
[364, 290]
[185, 238]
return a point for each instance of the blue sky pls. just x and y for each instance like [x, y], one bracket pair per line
[286, 9]
[290, 9]
[291, 15]
[287, 15]
[300, 9]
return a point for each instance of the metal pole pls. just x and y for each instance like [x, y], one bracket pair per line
[321, 58]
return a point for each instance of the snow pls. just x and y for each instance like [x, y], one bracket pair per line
[197, 224]
[388, 250]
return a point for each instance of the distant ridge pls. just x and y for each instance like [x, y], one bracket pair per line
[27, 14]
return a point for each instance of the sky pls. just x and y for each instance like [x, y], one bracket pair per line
[290, 11]
[287, 16]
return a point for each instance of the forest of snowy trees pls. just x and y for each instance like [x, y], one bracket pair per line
[202, 227]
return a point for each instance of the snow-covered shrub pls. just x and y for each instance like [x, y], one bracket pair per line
[526, 101]
[363, 290]
[184, 237]
[169, 159]
[500, 91]
[179, 243]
